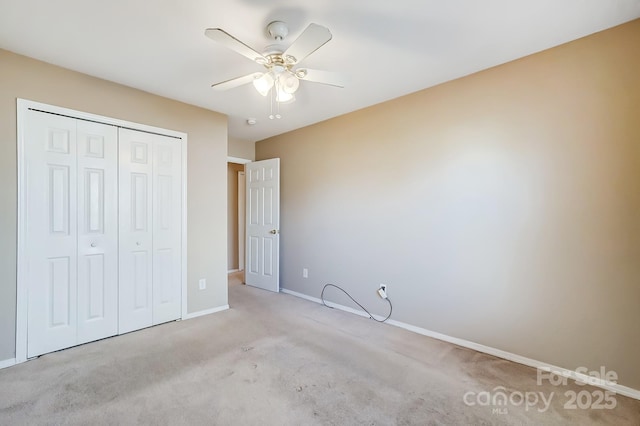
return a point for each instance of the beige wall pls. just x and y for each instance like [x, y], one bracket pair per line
[21, 77]
[502, 208]
[232, 214]
[242, 149]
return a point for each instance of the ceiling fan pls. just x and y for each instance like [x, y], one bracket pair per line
[281, 73]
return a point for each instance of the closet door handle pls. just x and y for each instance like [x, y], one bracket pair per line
[93, 244]
[138, 243]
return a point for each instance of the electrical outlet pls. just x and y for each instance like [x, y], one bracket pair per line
[305, 273]
[202, 283]
[382, 291]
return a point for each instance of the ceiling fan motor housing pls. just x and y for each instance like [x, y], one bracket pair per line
[278, 30]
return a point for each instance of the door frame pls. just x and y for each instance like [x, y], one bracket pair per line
[22, 107]
[241, 219]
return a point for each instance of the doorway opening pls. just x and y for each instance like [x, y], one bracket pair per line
[236, 215]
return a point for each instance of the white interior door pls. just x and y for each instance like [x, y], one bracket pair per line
[72, 231]
[150, 229]
[263, 224]
[51, 237]
[167, 223]
[97, 231]
[136, 230]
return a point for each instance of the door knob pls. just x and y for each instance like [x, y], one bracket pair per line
[93, 244]
[273, 231]
[138, 243]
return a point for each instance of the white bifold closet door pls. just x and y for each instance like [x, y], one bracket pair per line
[150, 229]
[71, 231]
[103, 230]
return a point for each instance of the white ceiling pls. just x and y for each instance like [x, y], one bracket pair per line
[386, 48]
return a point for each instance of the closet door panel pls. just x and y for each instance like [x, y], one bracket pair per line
[136, 230]
[167, 229]
[50, 153]
[97, 231]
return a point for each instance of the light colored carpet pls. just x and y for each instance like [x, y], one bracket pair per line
[274, 359]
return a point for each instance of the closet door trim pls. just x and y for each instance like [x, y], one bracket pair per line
[22, 107]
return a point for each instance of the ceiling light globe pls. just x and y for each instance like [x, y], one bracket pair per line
[284, 97]
[263, 84]
[289, 83]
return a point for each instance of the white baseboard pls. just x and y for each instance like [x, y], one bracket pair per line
[574, 375]
[231, 271]
[205, 312]
[7, 363]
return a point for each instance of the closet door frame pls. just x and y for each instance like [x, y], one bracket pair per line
[22, 107]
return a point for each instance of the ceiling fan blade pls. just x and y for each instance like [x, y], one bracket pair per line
[312, 38]
[223, 37]
[323, 77]
[238, 81]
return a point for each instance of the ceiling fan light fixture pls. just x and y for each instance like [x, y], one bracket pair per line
[263, 84]
[279, 81]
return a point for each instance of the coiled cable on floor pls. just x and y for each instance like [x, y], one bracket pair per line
[354, 301]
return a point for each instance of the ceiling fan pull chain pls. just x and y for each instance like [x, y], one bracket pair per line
[274, 91]
[279, 87]
[271, 117]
